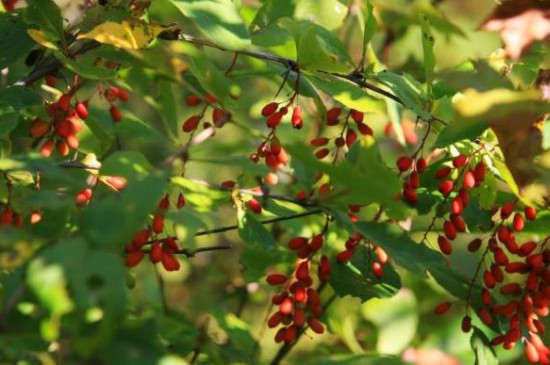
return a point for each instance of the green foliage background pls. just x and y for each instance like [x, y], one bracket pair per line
[65, 294]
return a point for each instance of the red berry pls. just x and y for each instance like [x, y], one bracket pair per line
[63, 102]
[6, 219]
[191, 123]
[459, 161]
[485, 317]
[459, 223]
[443, 172]
[442, 308]
[345, 256]
[446, 187]
[122, 94]
[81, 110]
[364, 129]
[193, 100]
[47, 148]
[255, 206]
[276, 279]
[322, 153]
[377, 269]
[274, 119]
[404, 163]
[155, 255]
[290, 334]
[316, 243]
[83, 196]
[489, 279]
[466, 324]
[518, 222]
[474, 245]
[158, 223]
[181, 201]
[332, 116]
[211, 99]
[134, 258]
[62, 148]
[457, 206]
[479, 171]
[219, 117]
[450, 230]
[117, 182]
[169, 262]
[116, 115]
[39, 128]
[444, 245]
[469, 180]
[315, 325]
[320, 141]
[351, 137]
[530, 213]
[51, 80]
[506, 210]
[287, 306]
[269, 109]
[421, 165]
[275, 319]
[531, 353]
[297, 117]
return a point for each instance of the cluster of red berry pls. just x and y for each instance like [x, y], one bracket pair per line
[60, 130]
[348, 134]
[412, 180]
[299, 303]
[353, 242]
[161, 250]
[219, 116]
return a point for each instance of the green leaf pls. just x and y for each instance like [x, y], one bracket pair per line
[370, 25]
[327, 13]
[350, 178]
[485, 355]
[212, 79]
[261, 249]
[396, 320]
[413, 256]
[407, 90]
[239, 334]
[363, 359]
[19, 97]
[129, 164]
[458, 131]
[112, 222]
[355, 278]
[8, 119]
[86, 68]
[218, 19]
[47, 15]
[15, 41]
[48, 282]
[272, 10]
[506, 175]
[348, 94]
[427, 47]
[312, 55]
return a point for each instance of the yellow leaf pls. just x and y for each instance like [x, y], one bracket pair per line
[130, 34]
[41, 38]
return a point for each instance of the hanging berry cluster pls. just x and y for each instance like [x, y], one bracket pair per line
[219, 116]
[299, 302]
[161, 249]
[347, 136]
[60, 130]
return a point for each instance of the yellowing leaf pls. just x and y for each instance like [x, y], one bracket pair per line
[41, 38]
[130, 34]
